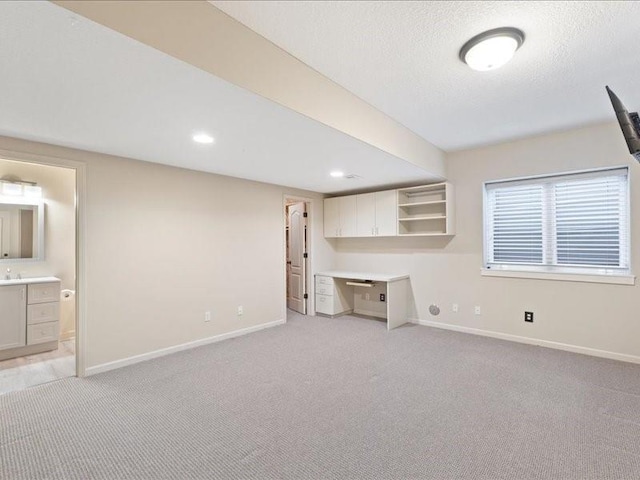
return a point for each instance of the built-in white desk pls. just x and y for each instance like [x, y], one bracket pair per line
[342, 292]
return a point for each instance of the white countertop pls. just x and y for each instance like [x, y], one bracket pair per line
[376, 277]
[26, 281]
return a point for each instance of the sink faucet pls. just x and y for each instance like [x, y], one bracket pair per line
[8, 275]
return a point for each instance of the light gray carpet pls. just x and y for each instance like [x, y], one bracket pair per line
[326, 398]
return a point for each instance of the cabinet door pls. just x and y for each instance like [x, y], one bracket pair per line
[386, 213]
[331, 217]
[366, 214]
[13, 316]
[348, 216]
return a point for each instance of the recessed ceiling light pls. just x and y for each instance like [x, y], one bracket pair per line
[202, 138]
[491, 49]
[337, 174]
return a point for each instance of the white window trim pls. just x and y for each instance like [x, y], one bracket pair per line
[614, 279]
[607, 276]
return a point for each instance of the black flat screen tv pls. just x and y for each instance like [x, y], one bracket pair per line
[629, 124]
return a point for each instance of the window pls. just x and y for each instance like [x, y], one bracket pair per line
[572, 223]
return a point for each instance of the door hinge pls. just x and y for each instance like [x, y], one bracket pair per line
[304, 214]
[306, 295]
[305, 255]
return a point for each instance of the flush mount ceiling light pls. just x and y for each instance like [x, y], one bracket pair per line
[491, 49]
[337, 174]
[202, 138]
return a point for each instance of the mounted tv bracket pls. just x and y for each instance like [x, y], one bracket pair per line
[629, 124]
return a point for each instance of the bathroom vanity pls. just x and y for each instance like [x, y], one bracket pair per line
[29, 316]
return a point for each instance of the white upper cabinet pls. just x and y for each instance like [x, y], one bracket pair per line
[332, 217]
[377, 214]
[366, 214]
[340, 217]
[424, 210]
[386, 213]
[348, 216]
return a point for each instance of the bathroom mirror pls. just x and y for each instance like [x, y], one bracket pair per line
[21, 229]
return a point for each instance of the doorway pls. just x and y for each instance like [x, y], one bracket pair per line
[297, 254]
[38, 273]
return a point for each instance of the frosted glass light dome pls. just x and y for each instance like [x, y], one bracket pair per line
[491, 49]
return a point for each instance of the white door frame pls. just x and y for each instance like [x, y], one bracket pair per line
[81, 188]
[297, 258]
[309, 267]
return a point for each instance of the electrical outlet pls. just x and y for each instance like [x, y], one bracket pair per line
[528, 317]
[383, 297]
[240, 310]
[478, 310]
[207, 316]
[367, 296]
[455, 308]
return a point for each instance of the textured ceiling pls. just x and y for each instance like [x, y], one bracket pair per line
[69, 81]
[402, 57]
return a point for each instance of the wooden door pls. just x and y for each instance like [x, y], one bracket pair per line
[366, 214]
[13, 316]
[386, 213]
[296, 262]
[331, 217]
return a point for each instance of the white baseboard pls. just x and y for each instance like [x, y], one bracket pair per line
[531, 341]
[105, 367]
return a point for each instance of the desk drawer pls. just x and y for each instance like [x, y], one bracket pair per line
[324, 304]
[322, 289]
[43, 313]
[320, 280]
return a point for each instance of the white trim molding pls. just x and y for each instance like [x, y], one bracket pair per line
[310, 244]
[594, 352]
[564, 277]
[105, 367]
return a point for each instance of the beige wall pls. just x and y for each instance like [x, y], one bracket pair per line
[595, 316]
[164, 245]
[58, 191]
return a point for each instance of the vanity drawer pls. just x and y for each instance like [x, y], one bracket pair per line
[320, 280]
[43, 293]
[42, 333]
[323, 289]
[43, 313]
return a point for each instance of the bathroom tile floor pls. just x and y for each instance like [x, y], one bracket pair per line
[22, 372]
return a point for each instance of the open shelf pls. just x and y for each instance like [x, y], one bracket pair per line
[415, 204]
[413, 219]
[426, 210]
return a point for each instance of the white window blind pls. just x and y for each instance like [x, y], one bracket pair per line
[566, 223]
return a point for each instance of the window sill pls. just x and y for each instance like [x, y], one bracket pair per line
[564, 277]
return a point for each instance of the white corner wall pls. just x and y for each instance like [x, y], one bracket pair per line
[592, 318]
[163, 245]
